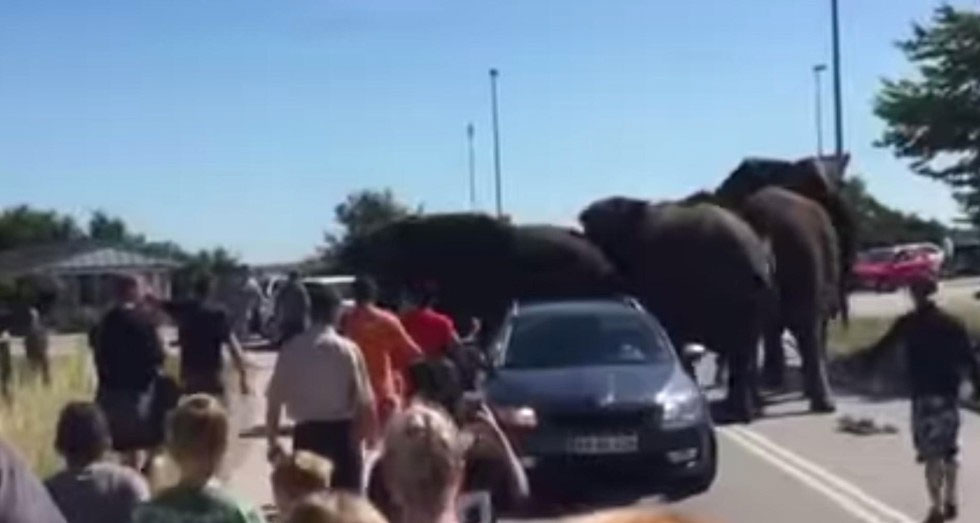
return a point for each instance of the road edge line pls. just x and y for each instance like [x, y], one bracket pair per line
[845, 503]
[825, 475]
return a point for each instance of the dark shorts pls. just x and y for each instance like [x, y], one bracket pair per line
[36, 347]
[137, 417]
[935, 427]
[334, 441]
[193, 382]
[130, 414]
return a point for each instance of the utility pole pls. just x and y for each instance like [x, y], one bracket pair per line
[470, 132]
[818, 102]
[496, 141]
[838, 123]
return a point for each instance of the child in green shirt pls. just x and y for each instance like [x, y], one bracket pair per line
[197, 439]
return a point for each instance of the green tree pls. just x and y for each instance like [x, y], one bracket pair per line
[880, 225]
[364, 211]
[361, 213]
[22, 225]
[933, 118]
[103, 227]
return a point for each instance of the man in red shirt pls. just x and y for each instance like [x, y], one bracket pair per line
[433, 332]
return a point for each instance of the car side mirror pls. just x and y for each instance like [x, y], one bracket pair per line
[693, 352]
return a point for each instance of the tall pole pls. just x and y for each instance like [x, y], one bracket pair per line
[818, 106]
[470, 132]
[496, 141]
[838, 124]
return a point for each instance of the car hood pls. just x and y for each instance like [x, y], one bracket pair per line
[577, 388]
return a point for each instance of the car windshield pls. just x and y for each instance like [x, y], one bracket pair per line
[583, 339]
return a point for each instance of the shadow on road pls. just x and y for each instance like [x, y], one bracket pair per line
[563, 496]
[258, 431]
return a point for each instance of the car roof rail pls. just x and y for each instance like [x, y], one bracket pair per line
[632, 302]
[626, 299]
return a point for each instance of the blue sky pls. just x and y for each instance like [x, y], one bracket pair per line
[242, 123]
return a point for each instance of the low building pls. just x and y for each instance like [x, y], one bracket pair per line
[83, 272]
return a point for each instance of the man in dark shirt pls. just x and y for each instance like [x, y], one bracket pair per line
[203, 329]
[128, 357]
[937, 352]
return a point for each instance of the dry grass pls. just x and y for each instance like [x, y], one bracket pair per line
[28, 421]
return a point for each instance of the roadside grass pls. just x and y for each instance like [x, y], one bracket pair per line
[863, 331]
[28, 420]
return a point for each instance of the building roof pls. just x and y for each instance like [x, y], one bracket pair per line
[77, 257]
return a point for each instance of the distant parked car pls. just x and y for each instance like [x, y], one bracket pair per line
[888, 268]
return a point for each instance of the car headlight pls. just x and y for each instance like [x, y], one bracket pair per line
[681, 408]
[517, 417]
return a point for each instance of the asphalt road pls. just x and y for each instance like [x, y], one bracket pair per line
[792, 466]
[957, 293]
[789, 466]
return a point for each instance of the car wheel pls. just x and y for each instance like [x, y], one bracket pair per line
[686, 487]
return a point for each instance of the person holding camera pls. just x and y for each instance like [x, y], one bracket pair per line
[477, 472]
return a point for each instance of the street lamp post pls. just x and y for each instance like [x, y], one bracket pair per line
[470, 132]
[496, 141]
[838, 124]
[817, 70]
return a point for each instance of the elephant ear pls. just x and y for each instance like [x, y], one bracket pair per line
[750, 176]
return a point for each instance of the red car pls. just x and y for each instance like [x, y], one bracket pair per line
[890, 268]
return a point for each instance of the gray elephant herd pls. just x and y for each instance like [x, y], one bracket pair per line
[769, 250]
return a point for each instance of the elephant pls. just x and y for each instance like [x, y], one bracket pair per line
[478, 265]
[809, 178]
[698, 268]
[807, 281]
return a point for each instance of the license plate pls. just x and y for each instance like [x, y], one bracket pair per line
[592, 445]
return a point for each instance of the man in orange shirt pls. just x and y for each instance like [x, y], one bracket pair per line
[388, 350]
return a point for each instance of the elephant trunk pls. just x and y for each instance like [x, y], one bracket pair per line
[846, 229]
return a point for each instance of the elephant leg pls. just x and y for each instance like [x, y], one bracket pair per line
[742, 381]
[774, 358]
[811, 338]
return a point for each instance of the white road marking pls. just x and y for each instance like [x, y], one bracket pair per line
[848, 496]
[825, 475]
[851, 507]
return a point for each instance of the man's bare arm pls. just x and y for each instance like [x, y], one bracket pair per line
[365, 417]
[272, 417]
[238, 359]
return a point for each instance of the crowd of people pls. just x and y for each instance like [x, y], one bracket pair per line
[383, 427]
[356, 383]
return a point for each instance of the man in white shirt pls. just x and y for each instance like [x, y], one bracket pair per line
[321, 379]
